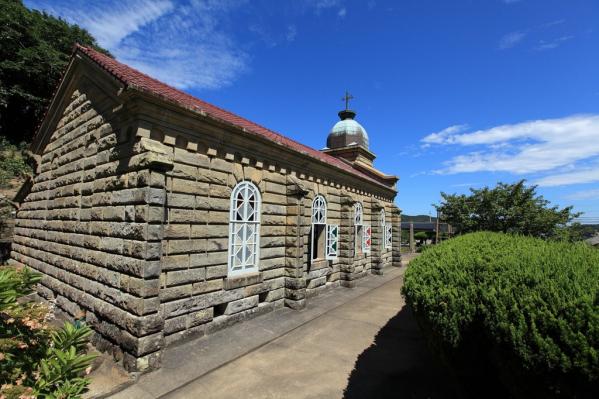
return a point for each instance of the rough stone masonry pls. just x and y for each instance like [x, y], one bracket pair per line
[132, 213]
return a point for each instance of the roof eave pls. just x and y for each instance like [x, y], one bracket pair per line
[243, 130]
[134, 88]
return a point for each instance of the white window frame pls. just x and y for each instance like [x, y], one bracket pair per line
[388, 236]
[319, 217]
[319, 210]
[332, 247]
[358, 222]
[382, 224]
[244, 222]
[358, 214]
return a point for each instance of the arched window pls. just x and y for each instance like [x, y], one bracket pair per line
[363, 233]
[318, 231]
[319, 210]
[385, 230]
[324, 238]
[358, 214]
[244, 229]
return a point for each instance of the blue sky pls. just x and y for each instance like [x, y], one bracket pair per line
[453, 93]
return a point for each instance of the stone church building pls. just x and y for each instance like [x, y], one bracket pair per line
[154, 215]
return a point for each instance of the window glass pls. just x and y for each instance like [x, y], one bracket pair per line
[244, 229]
[318, 237]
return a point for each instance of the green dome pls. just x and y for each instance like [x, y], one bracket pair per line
[347, 132]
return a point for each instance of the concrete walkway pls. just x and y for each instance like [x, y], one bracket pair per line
[348, 343]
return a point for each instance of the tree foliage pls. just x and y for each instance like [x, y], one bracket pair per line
[423, 235]
[508, 208]
[13, 162]
[34, 50]
[36, 359]
[525, 308]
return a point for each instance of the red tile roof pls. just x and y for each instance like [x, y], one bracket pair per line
[142, 82]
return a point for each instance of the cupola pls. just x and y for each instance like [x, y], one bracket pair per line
[347, 132]
[348, 139]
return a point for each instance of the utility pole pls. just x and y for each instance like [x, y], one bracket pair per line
[437, 229]
[412, 244]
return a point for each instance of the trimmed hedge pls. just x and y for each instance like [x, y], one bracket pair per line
[523, 309]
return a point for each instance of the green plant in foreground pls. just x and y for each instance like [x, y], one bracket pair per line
[528, 307]
[37, 360]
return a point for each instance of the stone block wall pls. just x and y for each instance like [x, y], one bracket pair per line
[382, 256]
[319, 274]
[86, 225]
[196, 295]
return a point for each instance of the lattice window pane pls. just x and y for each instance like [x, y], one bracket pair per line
[332, 241]
[382, 218]
[358, 214]
[319, 220]
[244, 227]
[388, 236]
[319, 210]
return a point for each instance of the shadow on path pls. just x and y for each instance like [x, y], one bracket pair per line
[399, 365]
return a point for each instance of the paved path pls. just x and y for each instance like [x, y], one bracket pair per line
[362, 346]
[351, 351]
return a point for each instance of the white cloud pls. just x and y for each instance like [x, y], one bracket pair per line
[553, 23]
[582, 176]
[162, 38]
[524, 148]
[511, 39]
[111, 26]
[584, 195]
[323, 4]
[548, 45]
[190, 44]
[441, 136]
[109, 23]
[319, 6]
[291, 33]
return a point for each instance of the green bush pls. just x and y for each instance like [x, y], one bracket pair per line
[524, 308]
[37, 360]
[424, 248]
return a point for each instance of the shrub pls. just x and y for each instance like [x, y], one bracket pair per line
[424, 248]
[37, 360]
[525, 308]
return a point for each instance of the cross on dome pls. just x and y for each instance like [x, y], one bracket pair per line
[346, 98]
[347, 132]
